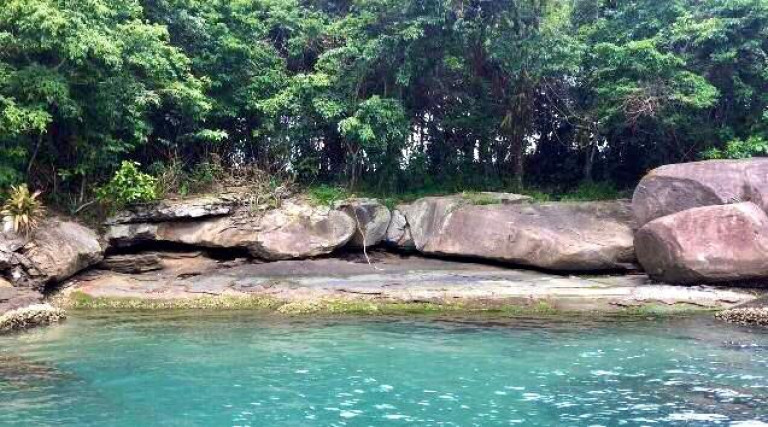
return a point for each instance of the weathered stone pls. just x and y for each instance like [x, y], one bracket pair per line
[492, 197]
[557, 236]
[168, 210]
[12, 298]
[59, 249]
[677, 187]
[30, 316]
[301, 231]
[399, 233]
[371, 221]
[708, 244]
[55, 251]
[392, 279]
[132, 263]
[295, 230]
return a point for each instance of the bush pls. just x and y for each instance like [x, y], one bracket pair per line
[129, 185]
[739, 149]
[22, 211]
[589, 191]
[326, 195]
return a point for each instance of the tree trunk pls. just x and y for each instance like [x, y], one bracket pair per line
[589, 161]
[518, 162]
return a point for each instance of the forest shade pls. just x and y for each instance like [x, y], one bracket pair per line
[394, 95]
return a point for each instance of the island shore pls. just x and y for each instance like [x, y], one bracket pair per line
[390, 283]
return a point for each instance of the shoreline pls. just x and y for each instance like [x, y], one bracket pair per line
[392, 284]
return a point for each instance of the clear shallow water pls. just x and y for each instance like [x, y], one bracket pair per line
[243, 369]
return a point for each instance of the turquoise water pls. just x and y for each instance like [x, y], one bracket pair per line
[242, 369]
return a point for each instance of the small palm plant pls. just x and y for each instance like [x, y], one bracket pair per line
[22, 212]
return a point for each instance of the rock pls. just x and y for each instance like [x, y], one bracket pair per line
[399, 232]
[59, 249]
[675, 188]
[294, 230]
[56, 250]
[556, 236]
[745, 316]
[708, 244]
[12, 298]
[371, 221]
[301, 231]
[132, 263]
[29, 317]
[167, 210]
[22, 308]
[491, 197]
[753, 312]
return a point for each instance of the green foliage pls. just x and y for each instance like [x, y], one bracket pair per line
[128, 185]
[739, 149]
[591, 191]
[22, 211]
[396, 97]
[326, 195]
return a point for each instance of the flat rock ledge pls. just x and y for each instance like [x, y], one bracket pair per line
[335, 285]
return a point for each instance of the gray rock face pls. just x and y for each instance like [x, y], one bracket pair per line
[674, 188]
[12, 298]
[295, 230]
[168, 210]
[298, 230]
[707, 244]
[399, 232]
[132, 263]
[556, 236]
[57, 250]
[371, 221]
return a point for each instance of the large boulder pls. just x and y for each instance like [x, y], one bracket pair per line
[298, 230]
[371, 221]
[294, 230]
[55, 251]
[557, 236]
[707, 244]
[674, 188]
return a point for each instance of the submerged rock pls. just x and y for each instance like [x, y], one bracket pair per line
[294, 230]
[557, 236]
[55, 251]
[674, 188]
[371, 221]
[753, 312]
[745, 316]
[30, 316]
[22, 308]
[708, 244]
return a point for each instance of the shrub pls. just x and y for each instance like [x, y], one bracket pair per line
[589, 191]
[128, 185]
[739, 149]
[22, 211]
[326, 195]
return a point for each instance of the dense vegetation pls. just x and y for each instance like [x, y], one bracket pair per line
[388, 95]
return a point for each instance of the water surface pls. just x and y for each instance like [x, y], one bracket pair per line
[243, 369]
